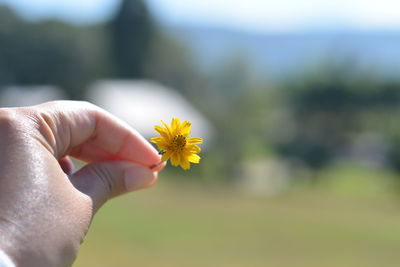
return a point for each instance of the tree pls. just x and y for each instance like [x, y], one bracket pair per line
[131, 33]
[42, 53]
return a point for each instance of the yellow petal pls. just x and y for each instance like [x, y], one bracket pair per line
[185, 164]
[167, 127]
[185, 128]
[166, 156]
[157, 139]
[195, 140]
[162, 131]
[160, 142]
[192, 149]
[175, 159]
[194, 158]
[175, 125]
[162, 146]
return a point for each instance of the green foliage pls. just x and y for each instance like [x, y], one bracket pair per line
[332, 108]
[131, 33]
[129, 46]
[169, 63]
[43, 53]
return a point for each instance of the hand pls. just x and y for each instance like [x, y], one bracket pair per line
[45, 209]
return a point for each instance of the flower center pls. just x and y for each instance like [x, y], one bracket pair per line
[178, 143]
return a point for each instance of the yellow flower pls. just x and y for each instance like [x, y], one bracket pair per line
[175, 144]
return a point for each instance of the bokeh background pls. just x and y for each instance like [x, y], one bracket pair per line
[298, 103]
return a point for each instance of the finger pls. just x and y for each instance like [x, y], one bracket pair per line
[104, 180]
[89, 133]
[66, 165]
[158, 166]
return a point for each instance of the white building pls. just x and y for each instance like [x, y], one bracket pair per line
[143, 104]
[19, 96]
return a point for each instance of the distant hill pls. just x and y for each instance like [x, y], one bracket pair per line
[277, 55]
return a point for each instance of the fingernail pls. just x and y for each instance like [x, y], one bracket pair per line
[138, 178]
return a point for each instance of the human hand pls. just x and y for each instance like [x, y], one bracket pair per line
[45, 209]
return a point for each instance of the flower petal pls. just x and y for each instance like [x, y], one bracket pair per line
[166, 156]
[195, 140]
[157, 139]
[185, 128]
[160, 142]
[175, 159]
[167, 127]
[162, 131]
[192, 149]
[194, 158]
[175, 125]
[185, 164]
[162, 146]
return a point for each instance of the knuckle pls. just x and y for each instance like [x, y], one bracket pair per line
[105, 178]
[6, 117]
[83, 104]
[86, 103]
[9, 120]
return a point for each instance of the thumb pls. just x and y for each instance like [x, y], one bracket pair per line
[104, 180]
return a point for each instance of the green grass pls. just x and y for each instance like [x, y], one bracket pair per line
[175, 224]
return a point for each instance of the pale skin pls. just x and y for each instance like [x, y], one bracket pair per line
[45, 207]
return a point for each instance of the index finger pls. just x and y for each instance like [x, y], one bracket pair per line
[89, 133]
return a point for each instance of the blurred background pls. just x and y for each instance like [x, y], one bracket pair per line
[298, 103]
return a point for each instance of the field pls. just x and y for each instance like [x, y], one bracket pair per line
[178, 224]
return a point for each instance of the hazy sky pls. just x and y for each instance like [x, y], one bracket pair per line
[252, 15]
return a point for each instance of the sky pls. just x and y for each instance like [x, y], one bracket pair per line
[249, 15]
